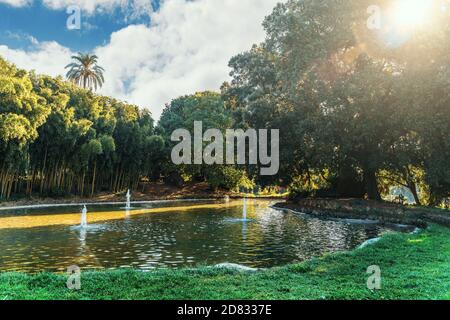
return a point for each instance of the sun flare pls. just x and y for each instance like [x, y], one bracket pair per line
[411, 14]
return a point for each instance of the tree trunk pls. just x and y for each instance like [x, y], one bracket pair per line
[413, 188]
[93, 179]
[41, 188]
[370, 181]
[82, 184]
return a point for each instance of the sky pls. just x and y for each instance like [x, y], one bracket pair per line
[152, 50]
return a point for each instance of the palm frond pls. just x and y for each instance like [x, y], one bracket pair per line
[85, 72]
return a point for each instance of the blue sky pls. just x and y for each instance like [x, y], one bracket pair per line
[152, 50]
[36, 20]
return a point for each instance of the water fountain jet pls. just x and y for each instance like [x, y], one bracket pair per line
[244, 218]
[84, 223]
[128, 205]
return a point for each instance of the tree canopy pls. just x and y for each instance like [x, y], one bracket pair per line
[58, 139]
[85, 72]
[352, 108]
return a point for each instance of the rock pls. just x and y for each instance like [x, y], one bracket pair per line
[234, 266]
[369, 243]
[359, 221]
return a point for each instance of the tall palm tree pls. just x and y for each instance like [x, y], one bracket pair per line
[85, 72]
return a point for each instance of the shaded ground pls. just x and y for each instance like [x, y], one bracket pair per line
[412, 267]
[154, 191]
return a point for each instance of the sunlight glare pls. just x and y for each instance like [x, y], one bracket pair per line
[410, 14]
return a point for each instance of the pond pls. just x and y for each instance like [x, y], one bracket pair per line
[169, 234]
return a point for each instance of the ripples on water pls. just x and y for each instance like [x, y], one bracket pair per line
[177, 238]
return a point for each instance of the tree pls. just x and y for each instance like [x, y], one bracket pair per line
[345, 101]
[58, 139]
[209, 108]
[85, 72]
[22, 112]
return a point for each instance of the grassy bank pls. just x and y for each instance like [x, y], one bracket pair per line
[412, 266]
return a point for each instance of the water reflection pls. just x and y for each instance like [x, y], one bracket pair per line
[244, 230]
[83, 233]
[176, 237]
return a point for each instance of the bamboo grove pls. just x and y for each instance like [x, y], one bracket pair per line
[58, 139]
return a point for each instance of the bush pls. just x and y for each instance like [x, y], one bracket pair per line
[228, 178]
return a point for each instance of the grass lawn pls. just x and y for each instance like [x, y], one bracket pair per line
[413, 267]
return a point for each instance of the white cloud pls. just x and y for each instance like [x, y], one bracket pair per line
[22, 36]
[131, 8]
[87, 5]
[17, 3]
[185, 49]
[47, 58]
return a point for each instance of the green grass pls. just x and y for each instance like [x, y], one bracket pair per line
[412, 266]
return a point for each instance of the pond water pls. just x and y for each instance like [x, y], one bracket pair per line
[169, 234]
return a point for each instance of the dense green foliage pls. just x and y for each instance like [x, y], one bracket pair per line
[412, 267]
[209, 108]
[357, 115]
[57, 138]
[354, 111]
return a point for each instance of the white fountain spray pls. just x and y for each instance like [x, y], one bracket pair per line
[128, 205]
[84, 223]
